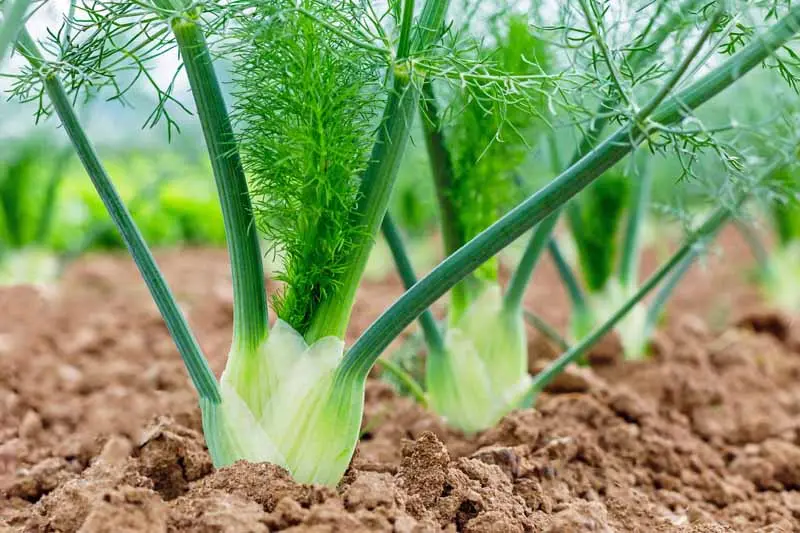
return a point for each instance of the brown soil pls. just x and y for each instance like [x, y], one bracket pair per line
[99, 427]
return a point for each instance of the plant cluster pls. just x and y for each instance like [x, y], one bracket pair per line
[324, 97]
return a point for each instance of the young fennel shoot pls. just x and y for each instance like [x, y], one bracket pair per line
[480, 372]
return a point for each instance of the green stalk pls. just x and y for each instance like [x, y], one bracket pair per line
[404, 44]
[94, 232]
[249, 294]
[333, 314]
[545, 329]
[196, 364]
[568, 278]
[13, 20]
[629, 262]
[595, 21]
[405, 379]
[546, 376]
[433, 338]
[662, 295]
[512, 301]
[520, 279]
[548, 199]
[442, 170]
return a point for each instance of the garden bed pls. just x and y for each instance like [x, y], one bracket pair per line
[100, 429]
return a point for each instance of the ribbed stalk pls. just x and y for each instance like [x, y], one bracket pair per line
[568, 278]
[333, 314]
[247, 271]
[521, 277]
[540, 205]
[656, 307]
[404, 378]
[546, 329]
[13, 18]
[196, 364]
[404, 43]
[433, 338]
[629, 261]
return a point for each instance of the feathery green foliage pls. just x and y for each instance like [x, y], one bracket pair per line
[481, 147]
[488, 139]
[307, 103]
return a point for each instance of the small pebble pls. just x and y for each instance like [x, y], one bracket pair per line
[116, 450]
[31, 425]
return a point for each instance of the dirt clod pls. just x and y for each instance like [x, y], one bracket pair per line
[172, 456]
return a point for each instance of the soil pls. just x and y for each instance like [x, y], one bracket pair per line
[100, 430]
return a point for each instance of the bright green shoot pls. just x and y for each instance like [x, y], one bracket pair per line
[314, 169]
[608, 254]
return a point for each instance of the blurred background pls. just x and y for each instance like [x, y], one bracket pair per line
[50, 214]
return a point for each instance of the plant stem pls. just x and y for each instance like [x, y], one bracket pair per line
[540, 205]
[196, 364]
[753, 241]
[568, 278]
[520, 279]
[545, 329]
[595, 22]
[679, 71]
[404, 43]
[12, 20]
[247, 271]
[433, 338]
[629, 262]
[512, 301]
[406, 379]
[656, 307]
[146, 194]
[333, 313]
[441, 165]
[546, 376]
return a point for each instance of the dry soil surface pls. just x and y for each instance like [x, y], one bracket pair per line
[100, 432]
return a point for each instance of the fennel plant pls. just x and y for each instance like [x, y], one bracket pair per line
[321, 169]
